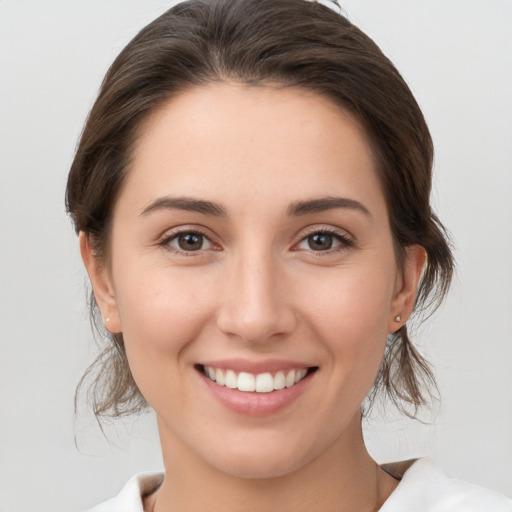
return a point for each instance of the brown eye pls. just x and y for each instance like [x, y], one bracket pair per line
[190, 241]
[320, 241]
[187, 242]
[324, 241]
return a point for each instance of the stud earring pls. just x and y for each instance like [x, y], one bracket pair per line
[107, 320]
[398, 318]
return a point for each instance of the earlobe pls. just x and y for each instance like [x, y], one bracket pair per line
[407, 287]
[101, 283]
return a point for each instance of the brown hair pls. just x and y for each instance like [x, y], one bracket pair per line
[296, 43]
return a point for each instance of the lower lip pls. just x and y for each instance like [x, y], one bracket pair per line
[257, 404]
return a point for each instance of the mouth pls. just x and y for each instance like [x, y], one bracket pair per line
[265, 382]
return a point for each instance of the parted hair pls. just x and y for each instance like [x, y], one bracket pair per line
[291, 43]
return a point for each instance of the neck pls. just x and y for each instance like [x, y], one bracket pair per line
[343, 478]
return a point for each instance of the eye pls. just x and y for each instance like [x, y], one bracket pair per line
[324, 240]
[188, 241]
[320, 241]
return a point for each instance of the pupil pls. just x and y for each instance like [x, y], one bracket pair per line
[320, 241]
[190, 242]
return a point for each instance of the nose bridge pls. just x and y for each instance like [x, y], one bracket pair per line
[255, 306]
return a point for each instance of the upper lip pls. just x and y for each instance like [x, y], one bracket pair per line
[256, 367]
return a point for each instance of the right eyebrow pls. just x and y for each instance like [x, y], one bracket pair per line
[323, 204]
[190, 204]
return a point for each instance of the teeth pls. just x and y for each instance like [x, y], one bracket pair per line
[231, 379]
[260, 383]
[219, 377]
[290, 379]
[264, 383]
[279, 380]
[300, 375]
[245, 382]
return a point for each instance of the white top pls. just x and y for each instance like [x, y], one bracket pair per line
[423, 488]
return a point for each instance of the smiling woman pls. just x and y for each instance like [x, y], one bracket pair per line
[251, 193]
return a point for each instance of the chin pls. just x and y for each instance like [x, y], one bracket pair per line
[253, 462]
[258, 469]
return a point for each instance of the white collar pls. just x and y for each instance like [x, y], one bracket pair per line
[423, 488]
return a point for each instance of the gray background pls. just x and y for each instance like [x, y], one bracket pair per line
[457, 57]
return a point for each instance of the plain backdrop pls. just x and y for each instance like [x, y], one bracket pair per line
[456, 56]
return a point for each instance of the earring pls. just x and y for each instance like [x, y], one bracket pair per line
[107, 320]
[398, 318]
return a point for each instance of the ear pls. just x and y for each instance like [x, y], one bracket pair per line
[101, 284]
[407, 286]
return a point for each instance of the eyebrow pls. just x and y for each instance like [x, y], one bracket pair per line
[324, 204]
[296, 209]
[189, 204]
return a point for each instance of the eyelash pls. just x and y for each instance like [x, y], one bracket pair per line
[169, 237]
[344, 241]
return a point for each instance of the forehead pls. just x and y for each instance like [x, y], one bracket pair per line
[254, 141]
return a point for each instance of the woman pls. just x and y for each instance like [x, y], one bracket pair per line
[251, 193]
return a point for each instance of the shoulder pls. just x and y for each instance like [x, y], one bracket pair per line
[131, 495]
[425, 488]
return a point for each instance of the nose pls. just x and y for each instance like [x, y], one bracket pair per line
[256, 303]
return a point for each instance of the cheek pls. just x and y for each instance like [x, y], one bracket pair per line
[350, 315]
[161, 314]
[351, 302]
[159, 325]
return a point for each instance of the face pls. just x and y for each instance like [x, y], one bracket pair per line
[253, 276]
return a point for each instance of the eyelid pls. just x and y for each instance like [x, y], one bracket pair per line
[344, 237]
[171, 234]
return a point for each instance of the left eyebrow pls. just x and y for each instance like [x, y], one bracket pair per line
[190, 204]
[324, 204]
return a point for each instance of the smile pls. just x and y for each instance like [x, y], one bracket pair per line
[255, 383]
[257, 389]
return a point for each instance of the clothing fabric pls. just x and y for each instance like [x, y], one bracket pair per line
[422, 488]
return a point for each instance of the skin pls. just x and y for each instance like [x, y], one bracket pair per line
[256, 289]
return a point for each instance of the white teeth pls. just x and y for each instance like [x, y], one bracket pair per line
[246, 382]
[264, 383]
[231, 379]
[219, 377]
[279, 380]
[290, 379]
[300, 374]
[260, 383]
